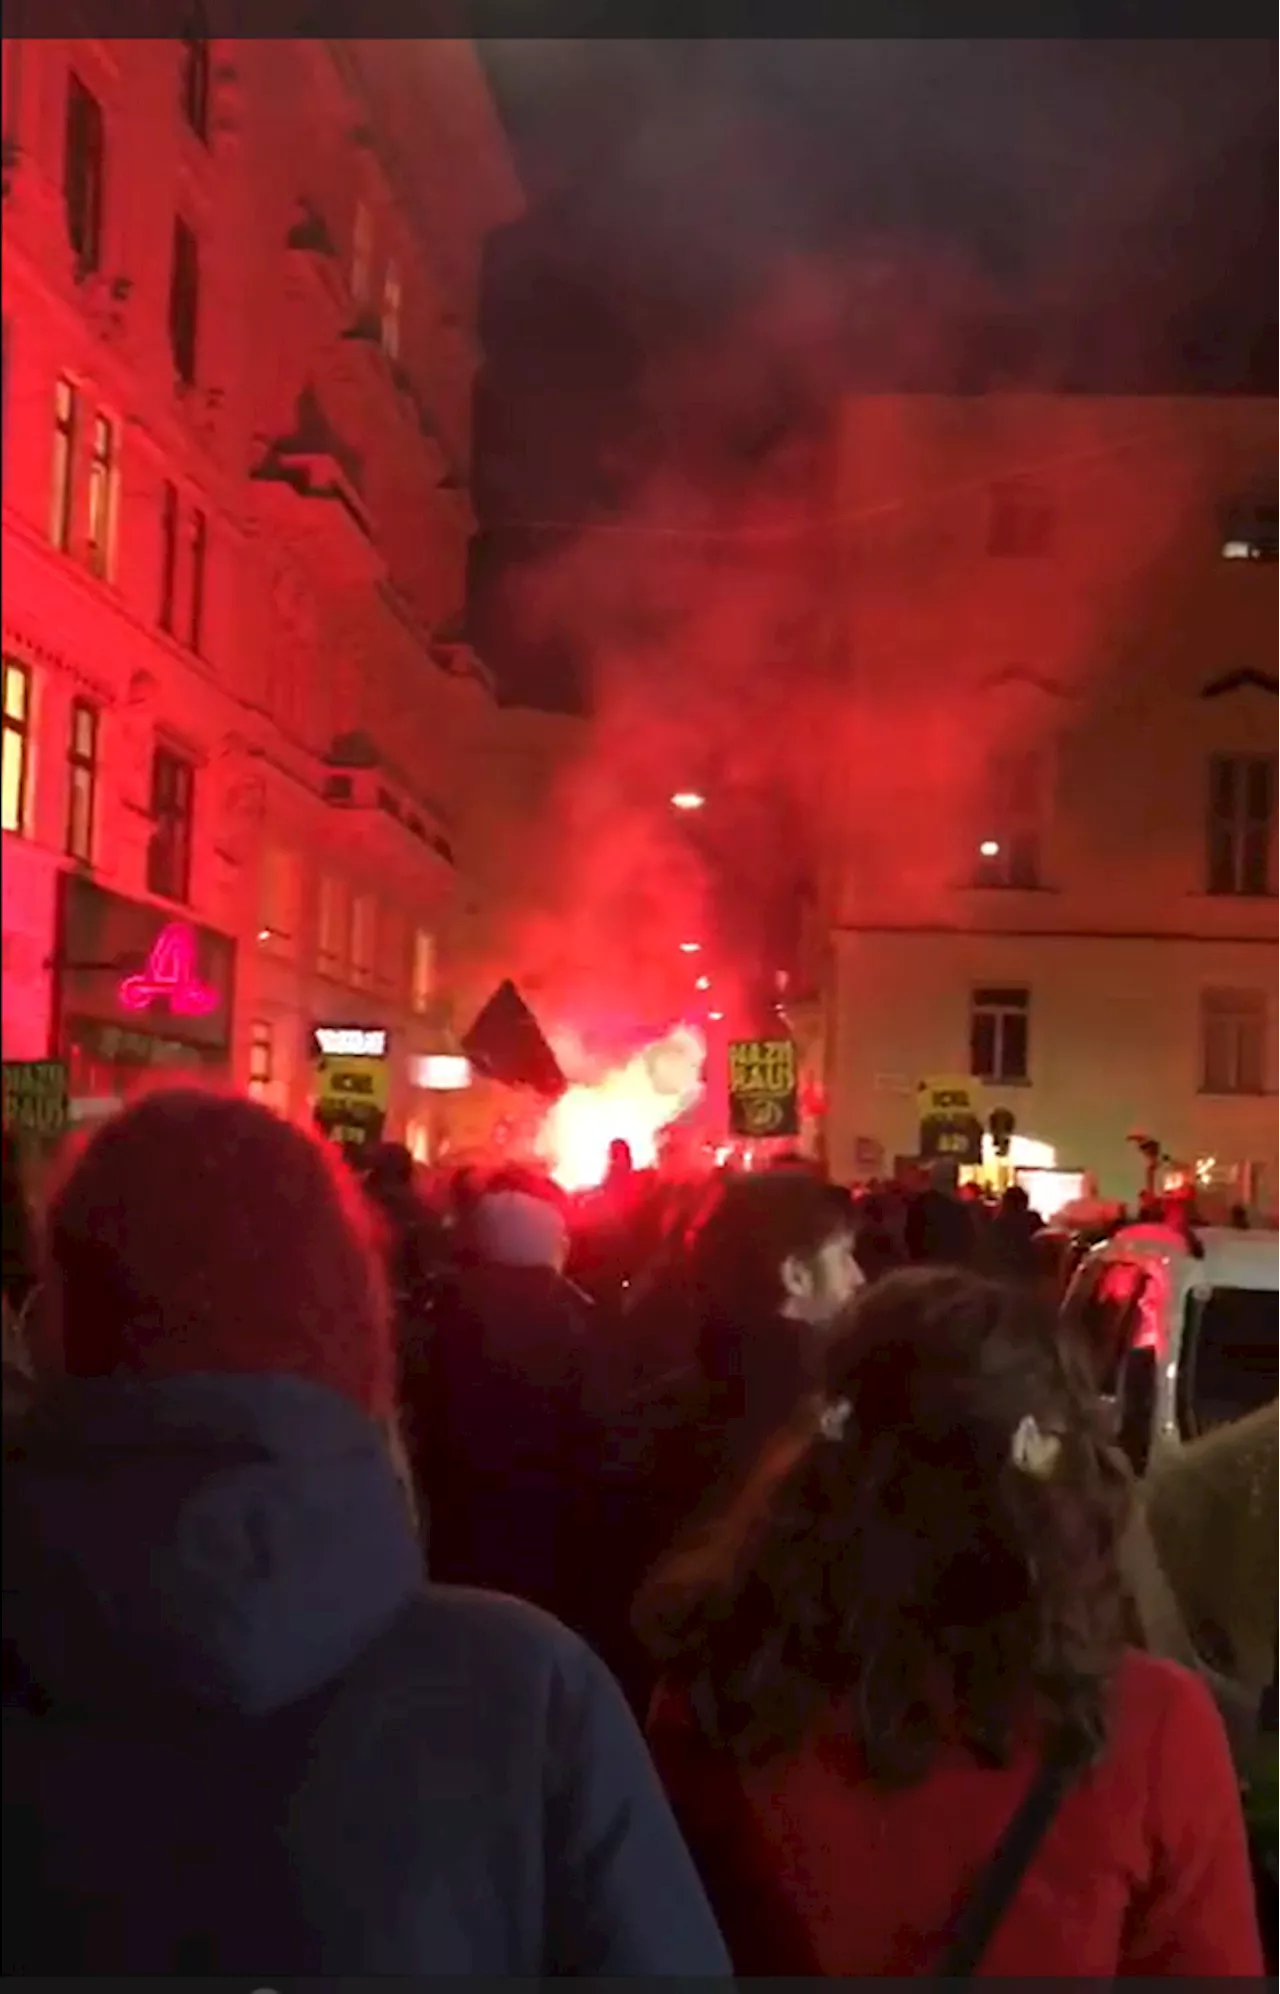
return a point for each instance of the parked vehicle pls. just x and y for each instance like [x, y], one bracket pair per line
[1181, 1329]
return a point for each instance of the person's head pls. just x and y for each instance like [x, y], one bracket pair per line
[1015, 1203]
[199, 1232]
[520, 1221]
[939, 1556]
[779, 1244]
[621, 1162]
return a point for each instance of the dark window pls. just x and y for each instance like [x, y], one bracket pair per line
[1009, 839]
[1241, 823]
[103, 474]
[1249, 533]
[168, 553]
[172, 807]
[1020, 524]
[1000, 1035]
[193, 88]
[1233, 1042]
[184, 300]
[17, 745]
[199, 554]
[84, 148]
[82, 780]
[1229, 1360]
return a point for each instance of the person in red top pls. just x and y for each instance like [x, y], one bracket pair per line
[868, 1659]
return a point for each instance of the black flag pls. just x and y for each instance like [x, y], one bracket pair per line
[506, 1044]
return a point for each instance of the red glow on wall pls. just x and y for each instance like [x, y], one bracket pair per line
[170, 977]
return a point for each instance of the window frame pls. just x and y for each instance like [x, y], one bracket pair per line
[262, 1040]
[84, 162]
[171, 827]
[195, 74]
[1243, 1076]
[66, 442]
[998, 1003]
[198, 552]
[1228, 830]
[170, 539]
[184, 301]
[85, 763]
[17, 727]
[104, 485]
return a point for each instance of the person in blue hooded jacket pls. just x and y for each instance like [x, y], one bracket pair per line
[242, 1733]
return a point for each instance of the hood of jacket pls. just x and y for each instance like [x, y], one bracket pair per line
[231, 1543]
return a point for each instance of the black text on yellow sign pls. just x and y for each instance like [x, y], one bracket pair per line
[35, 1096]
[351, 1080]
[763, 1088]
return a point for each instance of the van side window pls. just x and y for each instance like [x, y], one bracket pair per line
[1231, 1366]
[1103, 1316]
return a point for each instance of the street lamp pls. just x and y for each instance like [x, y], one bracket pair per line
[691, 948]
[989, 849]
[687, 800]
[703, 983]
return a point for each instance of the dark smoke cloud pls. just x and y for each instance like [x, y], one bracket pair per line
[831, 724]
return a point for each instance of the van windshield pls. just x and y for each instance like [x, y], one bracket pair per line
[1232, 1345]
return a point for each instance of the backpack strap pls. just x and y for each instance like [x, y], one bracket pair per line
[983, 1911]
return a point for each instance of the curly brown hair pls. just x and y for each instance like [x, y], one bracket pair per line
[900, 1563]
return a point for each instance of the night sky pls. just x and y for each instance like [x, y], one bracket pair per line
[1105, 212]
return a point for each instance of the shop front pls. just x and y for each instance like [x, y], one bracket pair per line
[139, 992]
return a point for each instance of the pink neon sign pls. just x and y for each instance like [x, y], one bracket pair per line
[170, 977]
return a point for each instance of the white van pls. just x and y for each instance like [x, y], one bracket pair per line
[1183, 1329]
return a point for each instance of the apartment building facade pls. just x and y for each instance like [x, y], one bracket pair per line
[1053, 820]
[241, 286]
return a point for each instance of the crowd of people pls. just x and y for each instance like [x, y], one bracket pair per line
[710, 1576]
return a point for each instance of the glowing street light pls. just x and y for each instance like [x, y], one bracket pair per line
[688, 799]
[989, 849]
[703, 983]
[715, 1017]
[691, 948]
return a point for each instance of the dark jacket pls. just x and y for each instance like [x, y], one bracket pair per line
[241, 1736]
[504, 1447]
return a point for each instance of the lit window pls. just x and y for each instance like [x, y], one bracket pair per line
[199, 556]
[83, 157]
[193, 75]
[1010, 830]
[423, 983]
[82, 780]
[392, 302]
[261, 1058]
[184, 301]
[361, 253]
[103, 476]
[1233, 1042]
[168, 554]
[363, 939]
[1000, 1035]
[1241, 824]
[279, 899]
[17, 745]
[173, 780]
[66, 412]
[331, 937]
[391, 950]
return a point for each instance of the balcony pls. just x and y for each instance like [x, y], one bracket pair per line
[359, 779]
[309, 499]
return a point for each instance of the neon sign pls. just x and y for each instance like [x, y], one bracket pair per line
[170, 977]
